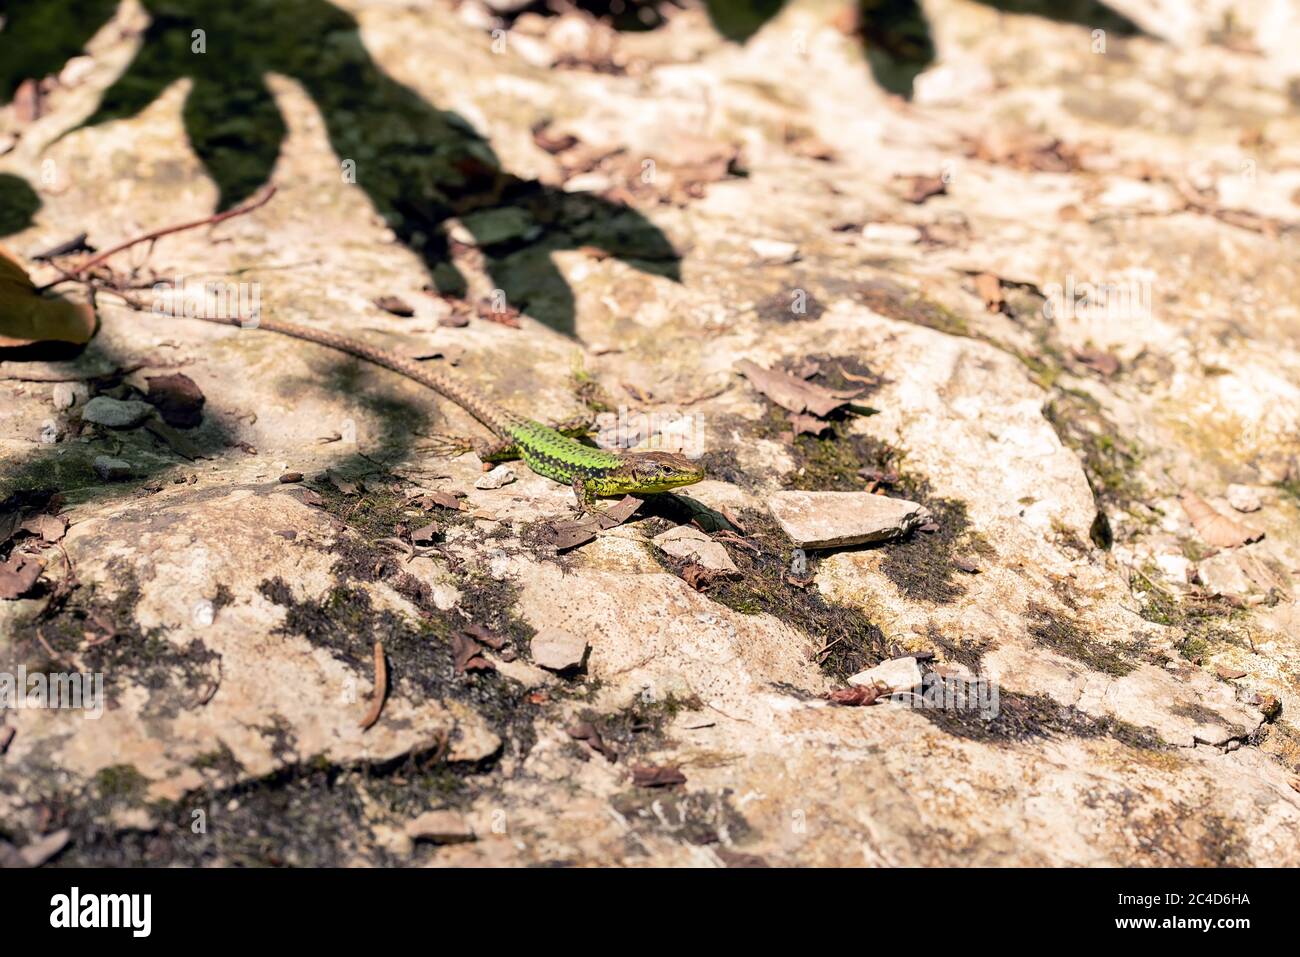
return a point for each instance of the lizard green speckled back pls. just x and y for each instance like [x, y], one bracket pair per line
[558, 457]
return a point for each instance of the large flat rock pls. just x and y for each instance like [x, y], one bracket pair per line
[835, 519]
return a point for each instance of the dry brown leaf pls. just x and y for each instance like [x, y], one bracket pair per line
[989, 288]
[793, 394]
[1105, 363]
[50, 528]
[917, 189]
[857, 696]
[1215, 529]
[381, 688]
[468, 654]
[18, 575]
[588, 733]
[799, 424]
[26, 316]
[652, 776]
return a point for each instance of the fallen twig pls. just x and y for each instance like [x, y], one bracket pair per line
[381, 688]
[79, 273]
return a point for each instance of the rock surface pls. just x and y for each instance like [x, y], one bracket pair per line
[1045, 431]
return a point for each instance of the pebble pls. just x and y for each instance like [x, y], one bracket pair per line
[775, 251]
[1243, 498]
[891, 233]
[116, 413]
[111, 469]
[441, 827]
[68, 394]
[897, 674]
[557, 649]
[499, 476]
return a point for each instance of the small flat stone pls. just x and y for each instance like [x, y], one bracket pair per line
[1222, 574]
[775, 251]
[891, 233]
[499, 476]
[834, 519]
[1243, 498]
[1175, 568]
[111, 469]
[557, 650]
[687, 542]
[441, 827]
[116, 413]
[897, 674]
[67, 394]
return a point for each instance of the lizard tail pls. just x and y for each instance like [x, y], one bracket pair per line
[477, 405]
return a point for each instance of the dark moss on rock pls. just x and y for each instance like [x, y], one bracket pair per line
[1065, 635]
[175, 675]
[776, 579]
[1021, 718]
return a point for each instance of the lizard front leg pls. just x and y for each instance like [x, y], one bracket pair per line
[584, 491]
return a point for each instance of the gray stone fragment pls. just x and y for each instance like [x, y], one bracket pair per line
[116, 413]
[111, 469]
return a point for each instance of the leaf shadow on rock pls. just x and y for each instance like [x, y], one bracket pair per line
[895, 34]
[420, 166]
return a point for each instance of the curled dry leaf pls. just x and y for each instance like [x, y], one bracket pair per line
[27, 317]
[381, 688]
[18, 575]
[652, 776]
[917, 189]
[795, 395]
[1216, 529]
[989, 288]
[857, 696]
[588, 733]
[178, 399]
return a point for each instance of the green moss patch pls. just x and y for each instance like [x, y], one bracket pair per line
[1203, 623]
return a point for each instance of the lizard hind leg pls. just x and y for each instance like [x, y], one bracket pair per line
[447, 446]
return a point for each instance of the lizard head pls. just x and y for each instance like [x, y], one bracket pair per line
[652, 472]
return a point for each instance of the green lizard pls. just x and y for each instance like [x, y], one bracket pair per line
[591, 473]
